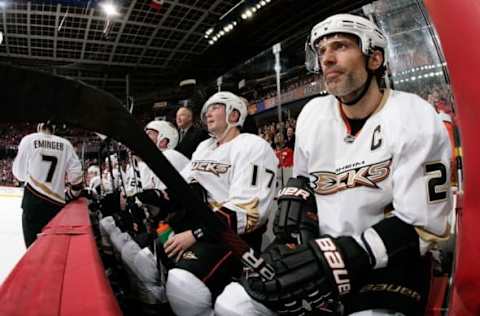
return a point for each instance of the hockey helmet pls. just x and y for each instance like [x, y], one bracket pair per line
[369, 35]
[231, 102]
[165, 130]
[93, 170]
[47, 126]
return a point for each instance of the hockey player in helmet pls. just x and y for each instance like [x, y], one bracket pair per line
[237, 173]
[46, 163]
[165, 136]
[93, 179]
[147, 203]
[377, 161]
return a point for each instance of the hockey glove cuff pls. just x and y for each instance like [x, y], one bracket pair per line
[296, 220]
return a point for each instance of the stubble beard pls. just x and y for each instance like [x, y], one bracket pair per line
[346, 88]
[341, 87]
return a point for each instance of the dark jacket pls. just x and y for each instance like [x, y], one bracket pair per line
[190, 141]
[290, 143]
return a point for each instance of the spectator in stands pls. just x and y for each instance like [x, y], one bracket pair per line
[44, 162]
[290, 141]
[189, 135]
[284, 153]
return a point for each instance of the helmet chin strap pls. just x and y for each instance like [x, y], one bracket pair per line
[224, 134]
[362, 93]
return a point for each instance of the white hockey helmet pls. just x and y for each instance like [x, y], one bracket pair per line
[232, 102]
[368, 33]
[165, 130]
[46, 127]
[94, 170]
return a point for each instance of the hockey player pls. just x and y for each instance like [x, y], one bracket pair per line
[377, 161]
[45, 162]
[112, 174]
[93, 179]
[237, 172]
[139, 254]
[165, 136]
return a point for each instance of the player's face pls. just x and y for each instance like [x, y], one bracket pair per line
[342, 63]
[153, 135]
[90, 176]
[215, 118]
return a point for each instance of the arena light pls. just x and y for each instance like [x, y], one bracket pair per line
[242, 10]
[109, 8]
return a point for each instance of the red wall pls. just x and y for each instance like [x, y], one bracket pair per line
[458, 26]
[61, 273]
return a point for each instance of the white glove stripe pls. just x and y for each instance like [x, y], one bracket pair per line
[377, 247]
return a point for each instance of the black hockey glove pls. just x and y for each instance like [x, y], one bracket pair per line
[153, 197]
[309, 277]
[110, 203]
[296, 220]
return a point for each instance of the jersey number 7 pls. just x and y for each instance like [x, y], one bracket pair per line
[53, 163]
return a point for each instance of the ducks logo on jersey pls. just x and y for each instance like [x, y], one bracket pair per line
[331, 182]
[210, 166]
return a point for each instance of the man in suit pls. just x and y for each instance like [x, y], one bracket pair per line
[189, 135]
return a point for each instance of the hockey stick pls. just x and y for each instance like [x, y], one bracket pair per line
[32, 96]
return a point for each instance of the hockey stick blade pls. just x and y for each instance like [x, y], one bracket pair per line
[33, 96]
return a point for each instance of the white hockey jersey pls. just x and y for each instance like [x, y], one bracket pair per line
[239, 175]
[148, 177]
[45, 162]
[109, 184]
[400, 157]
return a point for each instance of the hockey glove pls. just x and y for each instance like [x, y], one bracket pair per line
[296, 220]
[309, 277]
[72, 192]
